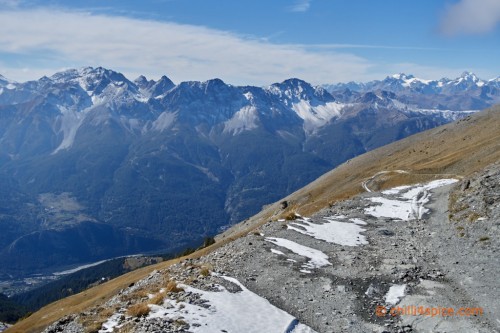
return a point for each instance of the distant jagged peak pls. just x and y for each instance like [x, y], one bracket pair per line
[296, 89]
[402, 76]
[3, 78]
[141, 81]
[295, 84]
[212, 86]
[5, 82]
[90, 76]
[160, 87]
[469, 76]
[497, 79]
[468, 79]
[407, 80]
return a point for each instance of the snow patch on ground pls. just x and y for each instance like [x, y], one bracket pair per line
[316, 257]
[112, 323]
[395, 190]
[342, 233]
[394, 209]
[241, 311]
[358, 221]
[277, 252]
[406, 202]
[395, 293]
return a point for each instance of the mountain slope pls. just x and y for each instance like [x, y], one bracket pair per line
[160, 166]
[455, 150]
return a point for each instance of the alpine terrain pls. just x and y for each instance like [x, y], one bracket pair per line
[403, 238]
[94, 165]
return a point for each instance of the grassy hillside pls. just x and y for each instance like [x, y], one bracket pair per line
[457, 149]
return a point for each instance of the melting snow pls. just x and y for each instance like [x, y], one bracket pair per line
[242, 311]
[394, 209]
[277, 252]
[316, 257]
[358, 221]
[342, 233]
[409, 202]
[111, 323]
[395, 190]
[395, 293]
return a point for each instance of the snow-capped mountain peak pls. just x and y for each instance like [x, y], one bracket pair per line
[469, 78]
[6, 83]
[402, 76]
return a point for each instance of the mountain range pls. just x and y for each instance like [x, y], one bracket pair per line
[94, 165]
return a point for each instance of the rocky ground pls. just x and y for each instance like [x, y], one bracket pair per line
[342, 270]
[3, 327]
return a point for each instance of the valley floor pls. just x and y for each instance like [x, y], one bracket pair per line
[389, 261]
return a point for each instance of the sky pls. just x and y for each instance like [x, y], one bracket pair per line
[252, 42]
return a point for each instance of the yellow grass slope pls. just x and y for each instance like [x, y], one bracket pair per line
[453, 150]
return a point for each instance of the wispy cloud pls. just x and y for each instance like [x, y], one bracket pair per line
[364, 46]
[301, 6]
[470, 17]
[57, 38]
[9, 3]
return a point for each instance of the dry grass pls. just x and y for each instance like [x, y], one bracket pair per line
[157, 299]
[172, 287]
[135, 296]
[93, 327]
[138, 310]
[206, 269]
[93, 324]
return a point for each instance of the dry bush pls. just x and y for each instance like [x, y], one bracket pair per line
[138, 310]
[157, 299]
[290, 216]
[135, 296]
[172, 287]
[206, 269]
[473, 216]
[93, 323]
[93, 327]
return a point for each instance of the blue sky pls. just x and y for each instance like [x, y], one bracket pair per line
[252, 42]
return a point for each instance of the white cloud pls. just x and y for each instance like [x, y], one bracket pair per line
[301, 6]
[470, 17]
[183, 52]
